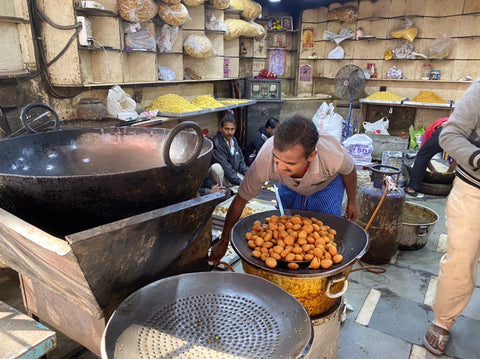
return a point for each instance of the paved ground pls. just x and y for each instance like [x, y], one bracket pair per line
[390, 314]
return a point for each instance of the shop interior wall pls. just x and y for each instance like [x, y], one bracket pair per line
[433, 18]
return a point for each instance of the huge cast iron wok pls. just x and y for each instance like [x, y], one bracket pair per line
[317, 289]
[71, 180]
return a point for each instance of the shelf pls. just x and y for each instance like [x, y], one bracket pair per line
[95, 12]
[13, 19]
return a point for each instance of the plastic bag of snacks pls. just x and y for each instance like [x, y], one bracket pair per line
[173, 14]
[237, 28]
[193, 3]
[406, 31]
[379, 127]
[140, 40]
[198, 46]
[137, 10]
[119, 101]
[440, 47]
[167, 38]
[166, 73]
[211, 22]
[220, 4]
[250, 10]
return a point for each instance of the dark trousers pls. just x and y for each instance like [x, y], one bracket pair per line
[424, 155]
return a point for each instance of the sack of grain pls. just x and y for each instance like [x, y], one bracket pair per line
[137, 10]
[250, 10]
[173, 14]
[198, 46]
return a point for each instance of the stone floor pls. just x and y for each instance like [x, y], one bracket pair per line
[391, 310]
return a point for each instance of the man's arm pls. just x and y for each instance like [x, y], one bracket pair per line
[350, 182]
[233, 215]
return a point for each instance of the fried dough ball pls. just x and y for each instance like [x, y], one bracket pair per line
[292, 239]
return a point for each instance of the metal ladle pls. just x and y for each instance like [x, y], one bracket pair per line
[279, 201]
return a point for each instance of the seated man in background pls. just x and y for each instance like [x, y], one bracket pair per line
[228, 165]
[263, 134]
[429, 147]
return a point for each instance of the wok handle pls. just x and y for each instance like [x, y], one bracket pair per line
[168, 143]
[333, 281]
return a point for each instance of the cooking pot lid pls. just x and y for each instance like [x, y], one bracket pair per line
[208, 314]
[351, 239]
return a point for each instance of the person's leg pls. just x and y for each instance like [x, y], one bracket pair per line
[216, 174]
[458, 267]
[424, 155]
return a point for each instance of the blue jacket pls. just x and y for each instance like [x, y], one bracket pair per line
[230, 164]
[254, 146]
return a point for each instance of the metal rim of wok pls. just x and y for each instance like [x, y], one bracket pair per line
[168, 142]
[62, 136]
[196, 315]
[351, 239]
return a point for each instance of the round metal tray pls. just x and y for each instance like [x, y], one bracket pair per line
[208, 315]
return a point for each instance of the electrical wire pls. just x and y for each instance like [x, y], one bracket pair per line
[37, 15]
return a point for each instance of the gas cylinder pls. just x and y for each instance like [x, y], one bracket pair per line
[384, 230]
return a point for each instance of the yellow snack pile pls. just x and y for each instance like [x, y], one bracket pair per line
[384, 96]
[206, 101]
[172, 103]
[429, 97]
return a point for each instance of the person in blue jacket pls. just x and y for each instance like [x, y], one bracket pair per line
[228, 164]
[264, 133]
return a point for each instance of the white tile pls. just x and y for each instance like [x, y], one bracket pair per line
[368, 307]
[442, 243]
[418, 352]
[431, 289]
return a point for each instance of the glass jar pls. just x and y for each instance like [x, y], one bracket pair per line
[426, 71]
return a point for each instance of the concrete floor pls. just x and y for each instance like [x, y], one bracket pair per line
[391, 311]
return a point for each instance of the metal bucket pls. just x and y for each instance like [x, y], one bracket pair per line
[326, 333]
[418, 222]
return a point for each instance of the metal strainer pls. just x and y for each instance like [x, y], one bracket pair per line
[208, 315]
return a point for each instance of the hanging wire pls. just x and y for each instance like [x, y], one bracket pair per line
[37, 15]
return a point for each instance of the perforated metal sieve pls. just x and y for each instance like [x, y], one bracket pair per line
[208, 315]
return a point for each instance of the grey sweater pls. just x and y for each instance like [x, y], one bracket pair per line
[460, 137]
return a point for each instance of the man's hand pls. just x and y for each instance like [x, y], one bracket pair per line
[351, 211]
[218, 251]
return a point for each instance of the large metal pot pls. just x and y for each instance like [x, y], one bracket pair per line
[418, 223]
[71, 180]
[318, 290]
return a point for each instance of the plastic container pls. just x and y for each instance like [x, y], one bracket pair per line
[435, 75]
[426, 69]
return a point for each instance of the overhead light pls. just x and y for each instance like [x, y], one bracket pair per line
[274, 0]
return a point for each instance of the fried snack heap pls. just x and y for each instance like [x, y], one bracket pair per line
[293, 239]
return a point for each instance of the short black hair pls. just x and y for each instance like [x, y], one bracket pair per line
[228, 117]
[271, 122]
[294, 130]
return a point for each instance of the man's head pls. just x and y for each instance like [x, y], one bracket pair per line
[228, 126]
[294, 145]
[270, 126]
